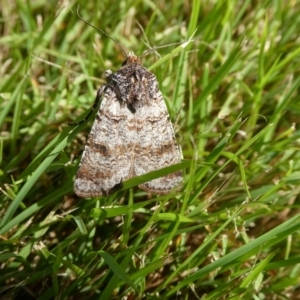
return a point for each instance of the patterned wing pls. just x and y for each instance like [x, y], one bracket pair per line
[157, 147]
[107, 157]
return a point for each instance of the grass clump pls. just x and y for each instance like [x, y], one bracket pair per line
[232, 95]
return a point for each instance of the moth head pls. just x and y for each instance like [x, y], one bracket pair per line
[131, 59]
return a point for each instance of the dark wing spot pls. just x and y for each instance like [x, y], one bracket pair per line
[131, 108]
[100, 148]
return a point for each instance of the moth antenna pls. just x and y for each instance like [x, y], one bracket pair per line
[146, 42]
[144, 34]
[159, 47]
[102, 31]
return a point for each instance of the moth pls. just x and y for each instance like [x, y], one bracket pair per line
[131, 135]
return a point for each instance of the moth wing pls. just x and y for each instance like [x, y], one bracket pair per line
[157, 146]
[106, 160]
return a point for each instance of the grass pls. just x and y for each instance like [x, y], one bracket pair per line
[233, 97]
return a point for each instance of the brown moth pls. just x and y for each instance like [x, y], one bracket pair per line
[131, 135]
